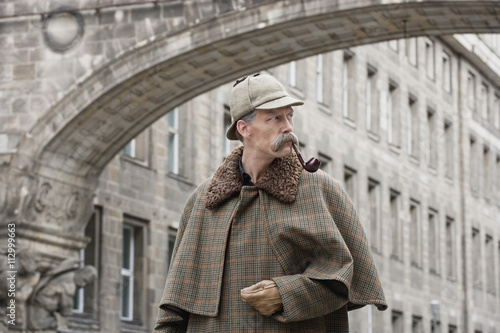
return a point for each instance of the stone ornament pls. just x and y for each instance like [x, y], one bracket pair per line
[72, 205]
[52, 298]
[42, 197]
[62, 29]
[27, 278]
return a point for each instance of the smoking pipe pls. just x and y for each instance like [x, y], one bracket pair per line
[312, 165]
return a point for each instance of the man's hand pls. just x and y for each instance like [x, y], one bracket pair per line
[263, 297]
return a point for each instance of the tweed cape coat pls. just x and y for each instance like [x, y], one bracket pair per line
[308, 227]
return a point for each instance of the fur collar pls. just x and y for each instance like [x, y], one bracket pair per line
[281, 180]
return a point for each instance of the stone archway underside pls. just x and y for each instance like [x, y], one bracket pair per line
[118, 102]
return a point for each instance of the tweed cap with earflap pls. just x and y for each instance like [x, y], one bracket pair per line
[257, 92]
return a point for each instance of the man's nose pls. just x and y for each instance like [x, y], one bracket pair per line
[288, 126]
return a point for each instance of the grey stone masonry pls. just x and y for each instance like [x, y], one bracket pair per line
[80, 79]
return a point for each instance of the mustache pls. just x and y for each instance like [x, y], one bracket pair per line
[281, 140]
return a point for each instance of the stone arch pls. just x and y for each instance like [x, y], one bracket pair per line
[86, 128]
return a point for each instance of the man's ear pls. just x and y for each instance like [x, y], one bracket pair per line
[243, 128]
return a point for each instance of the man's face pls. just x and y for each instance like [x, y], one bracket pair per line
[266, 127]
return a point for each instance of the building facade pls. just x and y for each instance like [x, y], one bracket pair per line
[410, 127]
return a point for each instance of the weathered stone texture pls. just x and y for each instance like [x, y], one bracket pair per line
[65, 114]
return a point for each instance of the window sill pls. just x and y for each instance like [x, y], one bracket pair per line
[135, 161]
[451, 278]
[413, 159]
[324, 108]
[373, 136]
[376, 251]
[179, 178]
[397, 259]
[349, 122]
[395, 149]
[434, 272]
[80, 321]
[133, 326]
[416, 266]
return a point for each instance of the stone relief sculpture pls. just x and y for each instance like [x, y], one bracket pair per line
[42, 300]
[27, 278]
[52, 298]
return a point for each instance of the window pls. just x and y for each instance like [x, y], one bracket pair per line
[433, 241]
[451, 270]
[496, 111]
[413, 128]
[133, 271]
[393, 115]
[371, 98]
[86, 299]
[292, 74]
[137, 148]
[435, 326]
[173, 141]
[416, 325]
[411, 51]
[473, 169]
[397, 322]
[172, 235]
[79, 293]
[448, 155]
[432, 139]
[373, 195]
[127, 274]
[350, 183]
[348, 102]
[452, 329]
[446, 72]
[397, 241]
[476, 253]
[486, 172]
[326, 162]
[226, 147]
[498, 178]
[498, 263]
[429, 59]
[490, 267]
[483, 101]
[319, 78]
[415, 236]
[471, 91]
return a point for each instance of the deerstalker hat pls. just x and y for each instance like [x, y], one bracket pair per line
[257, 92]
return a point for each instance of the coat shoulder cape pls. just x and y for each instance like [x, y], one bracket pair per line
[312, 227]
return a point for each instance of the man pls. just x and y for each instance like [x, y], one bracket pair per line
[263, 245]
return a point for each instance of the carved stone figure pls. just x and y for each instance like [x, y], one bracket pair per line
[27, 278]
[52, 299]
